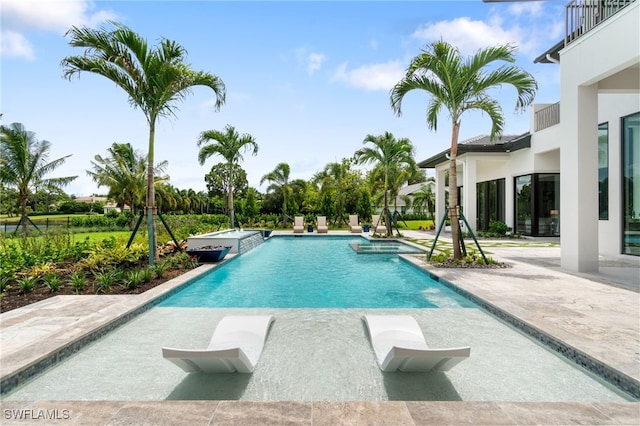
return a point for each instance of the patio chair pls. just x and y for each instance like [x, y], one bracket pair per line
[235, 346]
[298, 225]
[322, 225]
[399, 345]
[377, 226]
[354, 225]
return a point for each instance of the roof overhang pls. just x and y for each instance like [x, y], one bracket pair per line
[520, 142]
[551, 55]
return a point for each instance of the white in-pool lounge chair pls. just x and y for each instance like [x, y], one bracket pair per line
[354, 225]
[377, 226]
[399, 345]
[322, 225]
[235, 346]
[298, 225]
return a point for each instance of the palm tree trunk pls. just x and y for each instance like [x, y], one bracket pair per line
[230, 197]
[387, 218]
[23, 215]
[150, 204]
[454, 208]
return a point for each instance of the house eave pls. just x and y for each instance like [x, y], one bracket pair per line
[518, 143]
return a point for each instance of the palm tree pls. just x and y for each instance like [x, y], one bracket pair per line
[338, 189]
[389, 154]
[228, 145]
[279, 178]
[24, 165]
[424, 199]
[155, 79]
[462, 84]
[123, 170]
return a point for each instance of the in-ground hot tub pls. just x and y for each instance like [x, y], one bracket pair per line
[240, 241]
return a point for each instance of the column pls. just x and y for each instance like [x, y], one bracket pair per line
[579, 177]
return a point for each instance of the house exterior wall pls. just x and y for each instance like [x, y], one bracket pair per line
[612, 107]
[583, 64]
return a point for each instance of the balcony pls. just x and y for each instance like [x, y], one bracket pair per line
[584, 15]
[547, 117]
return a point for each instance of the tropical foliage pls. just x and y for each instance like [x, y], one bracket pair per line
[228, 144]
[389, 155]
[25, 166]
[457, 85]
[123, 171]
[155, 79]
[279, 179]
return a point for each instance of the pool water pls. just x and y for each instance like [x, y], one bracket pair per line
[289, 272]
[377, 247]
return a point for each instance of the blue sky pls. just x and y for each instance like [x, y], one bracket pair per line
[308, 80]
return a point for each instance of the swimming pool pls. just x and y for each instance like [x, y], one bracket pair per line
[315, 354]
[319, 272]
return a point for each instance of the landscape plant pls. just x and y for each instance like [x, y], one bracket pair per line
[25, 166]
[154, 79]
[458, 85]
[229, 144]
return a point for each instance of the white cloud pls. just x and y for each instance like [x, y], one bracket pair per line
[371, 77]
[19, 17]
[314, 61]
[468, 35]
[529, 8]
[526, 27]
[14, 45]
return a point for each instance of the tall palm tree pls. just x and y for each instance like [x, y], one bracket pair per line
[123, 170]
[389, 154]
[228, 145]
[459, 85]
[279, 178]
[154, 78]
[24, 165]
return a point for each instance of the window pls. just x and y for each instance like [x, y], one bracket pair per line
[523, 204]
[489, 203]
[537, 204]
[603, 171]
[631, 184]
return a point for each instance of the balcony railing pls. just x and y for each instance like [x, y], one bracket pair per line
[547, 117]
[584, 15]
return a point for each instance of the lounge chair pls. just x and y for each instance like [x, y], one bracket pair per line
[235, 346]
[354, 225]
[377, 226]
[399, 345]
[298, 225]
[322, 225]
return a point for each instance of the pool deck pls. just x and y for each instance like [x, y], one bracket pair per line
[597, 314]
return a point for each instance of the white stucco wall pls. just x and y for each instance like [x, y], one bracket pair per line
[612, 107]
[611, 48]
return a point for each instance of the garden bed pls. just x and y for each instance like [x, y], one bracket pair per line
[14, 298]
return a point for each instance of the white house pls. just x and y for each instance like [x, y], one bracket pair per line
[576, 173]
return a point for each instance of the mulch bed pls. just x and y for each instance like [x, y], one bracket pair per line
[14, 298]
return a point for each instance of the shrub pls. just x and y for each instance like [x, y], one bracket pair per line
[78, 281]
[52, 281]
[161, 268]
[147, 274]
[105, 280]
[133, 279]
[27, 283]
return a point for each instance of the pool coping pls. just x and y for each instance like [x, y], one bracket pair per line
[611, 375]
[141, 303]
